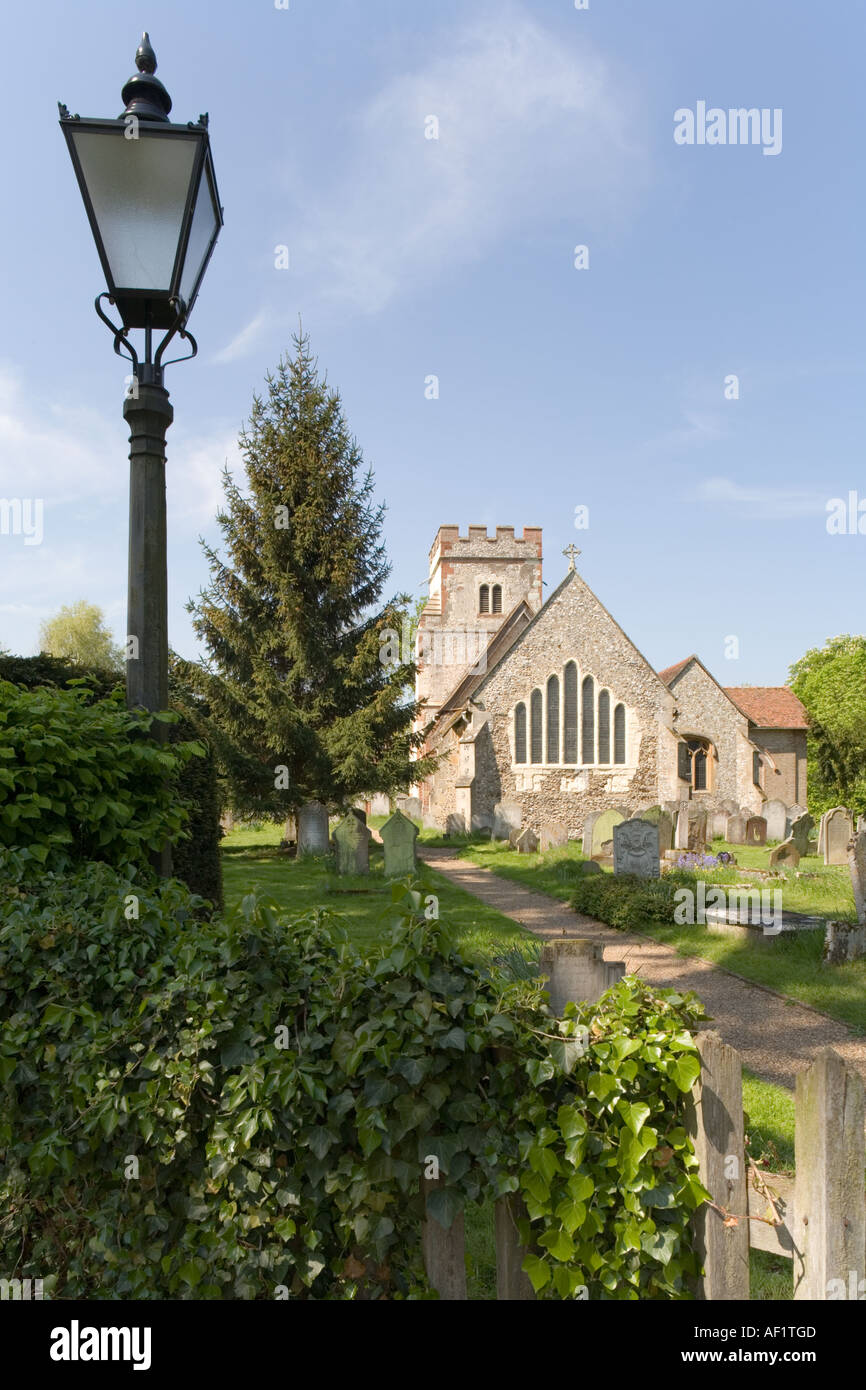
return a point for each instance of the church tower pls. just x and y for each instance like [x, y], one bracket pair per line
[475, 583]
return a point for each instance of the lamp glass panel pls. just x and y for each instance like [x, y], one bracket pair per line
[205, 222]
[138, 189]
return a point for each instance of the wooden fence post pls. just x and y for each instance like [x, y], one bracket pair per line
[511, 1283]
[829, 1198]
[444, 1251]
[715, 1122]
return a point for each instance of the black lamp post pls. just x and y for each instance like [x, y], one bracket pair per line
[151, 197]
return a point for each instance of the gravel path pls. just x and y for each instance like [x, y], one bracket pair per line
[775, 1036]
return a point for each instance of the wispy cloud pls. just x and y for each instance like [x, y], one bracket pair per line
[762, 503]
[245, 340]
[526, 123]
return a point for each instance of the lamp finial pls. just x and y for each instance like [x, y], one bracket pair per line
[144, 94]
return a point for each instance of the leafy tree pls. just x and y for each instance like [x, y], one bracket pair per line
[78, 633]
[831, 682]
[302, 705]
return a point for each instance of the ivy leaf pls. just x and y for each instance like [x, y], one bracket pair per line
[444, 1204]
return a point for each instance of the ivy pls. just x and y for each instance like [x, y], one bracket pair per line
[244, 1107]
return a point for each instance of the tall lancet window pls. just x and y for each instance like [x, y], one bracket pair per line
[520, 734]
[496, 596]
[604, 726]
[484, 599]
[587, 740]
[619, 734]
[569, 723]
[536, 740]
[553, 720]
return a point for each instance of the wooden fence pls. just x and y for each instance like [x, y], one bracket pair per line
[816, 1219]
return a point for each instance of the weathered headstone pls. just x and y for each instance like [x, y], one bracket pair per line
[735, 833]
[507, 816]
[697, 830]
[312, 829]
[589, 822]
[553, 835]
[800, 832]
[409, 805]
[359, 812]
[602, 830]
[352, 846]
[756, 830]
[838, 827]
[717, 824]
[793, 812]
[857, 865]
[455, 823]
[776, 816]
[681, 834]
[786, 855]
[844, 941]
[650, 813]
[636, 848]
[527, 842]
[398, 840]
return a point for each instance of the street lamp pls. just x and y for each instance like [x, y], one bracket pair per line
[151, 198]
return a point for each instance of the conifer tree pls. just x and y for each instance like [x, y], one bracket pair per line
[300, 702]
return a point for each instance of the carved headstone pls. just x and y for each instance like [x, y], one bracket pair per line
[636, 848]
[756, 830]
[681, 835]
[697, 831]
[785, 856]
[527, 842]
[398, 841]
[553, 835]
[735, 833]
[352, 846]
[837, 827]
[776, 816]
[602, 831]
[507, 816]
[800, 832]
[312, 829]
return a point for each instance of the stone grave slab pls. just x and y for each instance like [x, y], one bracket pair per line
[398, 841]
[838, 827]
[312, 829]
[800, 832]
[776, 816]
[352, 846]
[785, 856]
[602, 831]
[735, 834]
[636, 848]
[554, 835]
[527, 842]
[756, 830]
[507, 816]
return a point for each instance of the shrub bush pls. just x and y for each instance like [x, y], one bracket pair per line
[79, 780]
[240, 1108]
[626, 902]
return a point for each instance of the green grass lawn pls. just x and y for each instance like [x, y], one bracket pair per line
[251, 859]
[790, 964]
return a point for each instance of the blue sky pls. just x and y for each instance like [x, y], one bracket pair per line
[411, 257]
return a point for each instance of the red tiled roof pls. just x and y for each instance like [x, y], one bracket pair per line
[769, 706]
[667, 675]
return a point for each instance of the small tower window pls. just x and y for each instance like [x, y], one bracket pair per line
[536, 740]
[496, 597]
[484, 599]
[520, 734]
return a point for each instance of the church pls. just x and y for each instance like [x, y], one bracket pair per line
[548, 705]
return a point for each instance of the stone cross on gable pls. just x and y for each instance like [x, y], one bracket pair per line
[572, 552]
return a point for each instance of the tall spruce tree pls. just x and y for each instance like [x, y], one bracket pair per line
[301, 704]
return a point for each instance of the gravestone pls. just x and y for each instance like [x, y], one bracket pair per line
[793, 812]
[665, 827]
[455, 824]
[507, 816]
[589, 822]
[756, 830]
[697, 830]
[717, 824]
[352, 846]
[785, 856]
[553, 835]
[838, 827]
[359, 812]
[681, 835]
[673, 809]
[312, 829]
[731, 808]
[527, 842]
[636, 848]
[800, 832]
[602, 831]
[513, 837]
[857, 865]
[398, 840]
[409, 805]
[776, 816]
[735, 833]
